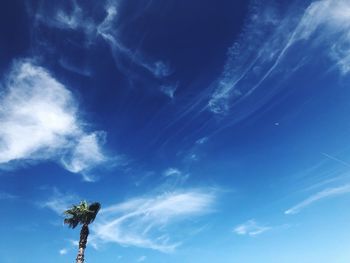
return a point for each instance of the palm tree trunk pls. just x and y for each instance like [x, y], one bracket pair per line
[84, 233]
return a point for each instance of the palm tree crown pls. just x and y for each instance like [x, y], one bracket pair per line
[83, 214]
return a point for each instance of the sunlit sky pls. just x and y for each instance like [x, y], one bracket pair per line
[209, 130]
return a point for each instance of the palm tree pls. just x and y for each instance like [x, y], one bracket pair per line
[83, 214]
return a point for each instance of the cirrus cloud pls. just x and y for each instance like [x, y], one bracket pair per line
[267, 39]
[143, 222]
[326, 193]
[40, 121]
[251, 228]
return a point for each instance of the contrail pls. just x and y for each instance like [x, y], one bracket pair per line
[336, 159]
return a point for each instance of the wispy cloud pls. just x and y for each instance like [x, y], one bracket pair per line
[129, 59]
[332, 17]
[173, 178]
[267, 39]
[7, 196]
[145, 222]
[251, 228]
[72, 19]
[37, 114]
[108, 30]
[59, 202]
[169, 90]
[327, 193]
[194, 153]
[85, 154]
[40, 121]
[247, 59]
[202, 140]
[172, 172]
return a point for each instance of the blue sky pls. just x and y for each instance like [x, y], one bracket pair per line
[210, 131]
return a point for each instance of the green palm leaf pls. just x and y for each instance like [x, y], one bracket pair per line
[81, 214]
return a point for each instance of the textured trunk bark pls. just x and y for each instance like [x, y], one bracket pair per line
[84, 233]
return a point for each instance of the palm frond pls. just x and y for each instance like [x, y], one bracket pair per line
[81, 214]
[94, 208]
[71, 222]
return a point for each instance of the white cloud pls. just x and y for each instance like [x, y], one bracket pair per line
[159, 69]
[37, 114]
[87, 153]
[172, 172]
[266, 41]
[74, 243]
[327, 193]
[39, 121]
[63, 251]
[202, 140]
[169, 90]
[251, 228]
[71, 21]
[333, 19]
[143, 222]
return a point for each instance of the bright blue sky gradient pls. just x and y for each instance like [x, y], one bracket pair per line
[210, 131]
